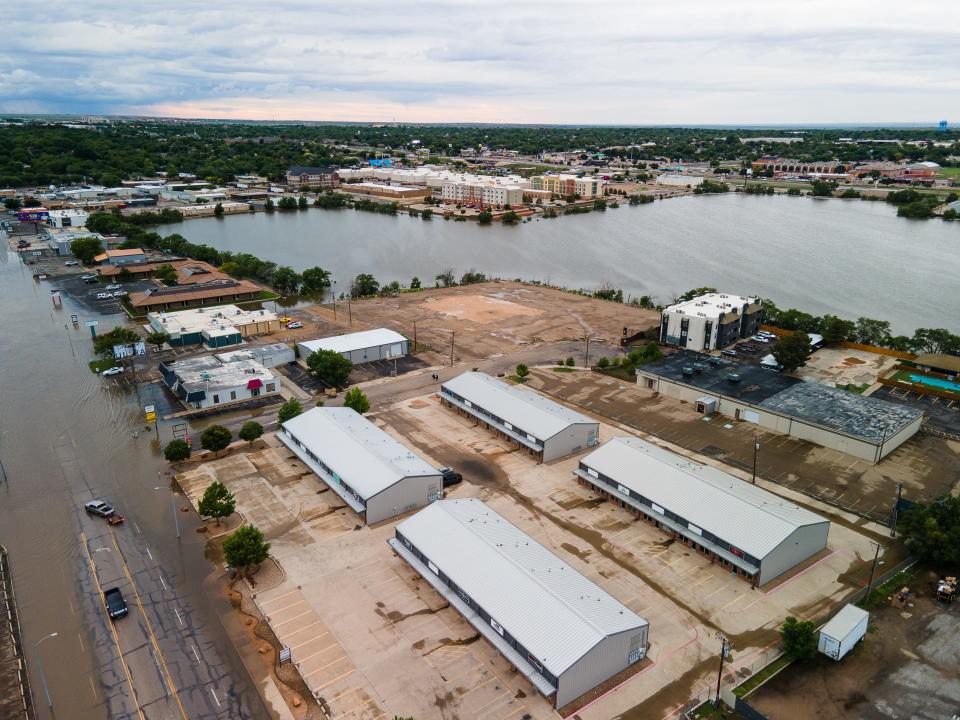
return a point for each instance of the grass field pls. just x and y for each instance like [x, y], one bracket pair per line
[949, 172]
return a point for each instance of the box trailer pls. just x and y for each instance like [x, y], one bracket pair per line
[843, 632]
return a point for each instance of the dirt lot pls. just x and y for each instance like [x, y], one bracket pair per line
[842, 366]
[927, 466]
[906, 667]
[486, 320]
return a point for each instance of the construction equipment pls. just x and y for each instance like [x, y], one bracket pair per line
[947, 589]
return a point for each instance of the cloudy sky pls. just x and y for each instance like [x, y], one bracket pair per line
[520, 61]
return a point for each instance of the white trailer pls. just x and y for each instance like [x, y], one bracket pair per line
[844, 630]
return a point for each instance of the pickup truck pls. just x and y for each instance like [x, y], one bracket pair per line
[116, 605]
[450, 476]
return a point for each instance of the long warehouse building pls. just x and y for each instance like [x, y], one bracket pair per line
[374, 474]
[546, 429]
[360, 347]
[563, 632]
[753, 532]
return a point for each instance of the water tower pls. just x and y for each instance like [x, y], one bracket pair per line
[943, 126]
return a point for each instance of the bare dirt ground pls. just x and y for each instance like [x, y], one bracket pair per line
[843, 366]
[486, 319]
[905, 667]
[927, 466]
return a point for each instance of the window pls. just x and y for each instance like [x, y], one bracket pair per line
[216, 399]
[233, 394]
[270, 387]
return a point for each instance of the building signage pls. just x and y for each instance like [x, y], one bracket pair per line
[736, 551]
[624, 490]
[122, 351]
[695, 529]
[593, 473]
[496, 626]
[658, 509]
[149, 413]
[140, 348]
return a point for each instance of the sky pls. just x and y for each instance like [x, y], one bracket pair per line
[521, 61]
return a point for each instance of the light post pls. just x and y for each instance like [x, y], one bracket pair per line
[873, 571]
[334, 300]
[43, 679]
[756, 447]
[724, 652]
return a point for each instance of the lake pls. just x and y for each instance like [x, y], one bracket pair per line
[846, 257]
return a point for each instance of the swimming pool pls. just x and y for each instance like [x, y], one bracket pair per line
[936, 382]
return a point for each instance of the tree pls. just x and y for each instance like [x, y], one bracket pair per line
[11, 203]
[522, 371]
[427, 214]
[836, 330]
[792, 351]
[484, 217]
[215, 438]
[510, 217]
[872, 332]
[86, 249]
[268, 205]
[218, 210]
[286, 280]
[799, 638]
[314, 280]
[695, 292]
[217, 502]
[302, 203]
[176, 451]
[570, 362]
[603, 363]
[446, 277]
[364, 285]
[932, 532]
[822, 188]
[250, 431]
[167, 274]
[356, 400]
[245, 548]
[157, 339]
[330, 367]
[415, 283]
[289, 410]
[124, 275]
[103, 343]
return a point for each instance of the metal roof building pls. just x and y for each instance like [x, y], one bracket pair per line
[546, 428]
[374, 474]
[360, 347]
[562, 631]
[740, 525]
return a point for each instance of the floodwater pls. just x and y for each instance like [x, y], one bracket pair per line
[67, 436]
[846, 257]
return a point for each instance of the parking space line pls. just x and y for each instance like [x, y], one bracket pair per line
[466, 672]
[318, 652]
[705, 578]
[498, 698]
[301, 601]
[722, 587]
[267, 602]
[355, 707]
[339, 677]
[284, 622]
[738, 598]
[519, 709]
[477, 687]
[324, 667]
[343, 694]
[315, 637]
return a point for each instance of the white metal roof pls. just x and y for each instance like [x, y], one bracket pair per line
[354, 341]
[550, 608]
[526, 409]
[358, 451]
[711, 305]
[746, 516]
[844, 622]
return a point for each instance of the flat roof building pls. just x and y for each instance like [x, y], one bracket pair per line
[545, 428]
[562, 631]
[267, 355]
[710, 322]
[739, 525]
[213, 292]
[120, 257]
[215, 327]
[863, 426]
[374, 474]
[207, 381]
[360, 347]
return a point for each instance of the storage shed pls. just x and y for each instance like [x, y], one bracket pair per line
[545, 428]
[374, 474]
[753, 532]
[360, 347]
[843, 631]
[565, 634]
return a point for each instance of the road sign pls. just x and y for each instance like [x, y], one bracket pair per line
[150, 413]
[122, 351]
[285, 655]
[180, 430]
[139, 348]
[90, 323]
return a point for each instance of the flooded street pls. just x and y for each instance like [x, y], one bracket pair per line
[68, 436]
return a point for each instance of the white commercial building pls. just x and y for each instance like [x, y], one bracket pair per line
[206, 381]
[676, 180]
[545, 428]
[710, 322]
[562, 631]
[269, 356]
[360, 347]
[215, 327]
[745, 528]
[66, 218]
[371, 472]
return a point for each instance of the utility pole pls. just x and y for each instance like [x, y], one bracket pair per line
[72, 352]
[43, 678]
[873, 570]
[350, 309]
[452, 334]
[414, 335]
[896, 511]
[724, 652]
[173, 506]
[756, 447]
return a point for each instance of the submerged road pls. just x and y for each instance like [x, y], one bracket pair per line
[68, 436]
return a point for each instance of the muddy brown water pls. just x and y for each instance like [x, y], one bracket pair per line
[67, 436]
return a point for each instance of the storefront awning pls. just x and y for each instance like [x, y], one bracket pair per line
[255, 384]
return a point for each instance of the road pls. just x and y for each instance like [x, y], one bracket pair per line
[66, 437]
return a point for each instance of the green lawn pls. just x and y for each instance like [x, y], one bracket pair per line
[949, 172]
[98, 366]
[767, 672]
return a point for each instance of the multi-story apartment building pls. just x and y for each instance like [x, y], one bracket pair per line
[316, 178]
[788, 166]
[710, 322]
[585, 187]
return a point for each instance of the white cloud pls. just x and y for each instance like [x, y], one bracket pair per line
[693, 61]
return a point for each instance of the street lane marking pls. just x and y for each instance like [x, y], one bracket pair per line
[137, 527]
[163, 583]
[113, 630]
[215, 697]
[82, 647]
[178, 615]
[148, 553]
[193, 649]
[93, 688]
[153, 637]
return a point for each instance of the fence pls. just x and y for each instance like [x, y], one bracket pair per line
[16, 700]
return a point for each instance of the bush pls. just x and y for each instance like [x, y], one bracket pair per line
[570, 362]
[215, 438]
[176, 451]
[250, 431]
[356, 400]
[245, 547]
[289, 410]
[603, 363]
[799, 638]
[522, 371]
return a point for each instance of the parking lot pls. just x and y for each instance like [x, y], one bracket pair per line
[942, 415]
[360, 373]
[86, 294]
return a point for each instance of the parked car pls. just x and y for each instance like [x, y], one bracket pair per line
[295, 325]
[110, 372]
[72, 263]
[119, 293]
[116, 605]
[104, 296]
[729, 353]
[450, 476]
[88, 277]
[113, 286]
[759, 339]
[100, 508]
[90, 281]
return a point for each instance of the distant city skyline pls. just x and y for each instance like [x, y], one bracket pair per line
[699, 63]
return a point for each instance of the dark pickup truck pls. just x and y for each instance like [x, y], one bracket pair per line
[450, 476]
[116, 605]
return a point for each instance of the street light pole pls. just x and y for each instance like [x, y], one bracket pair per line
[43, 679]
[756, 447]
[173, 506]
[334, 300]
[724, 651]
[873, 570]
